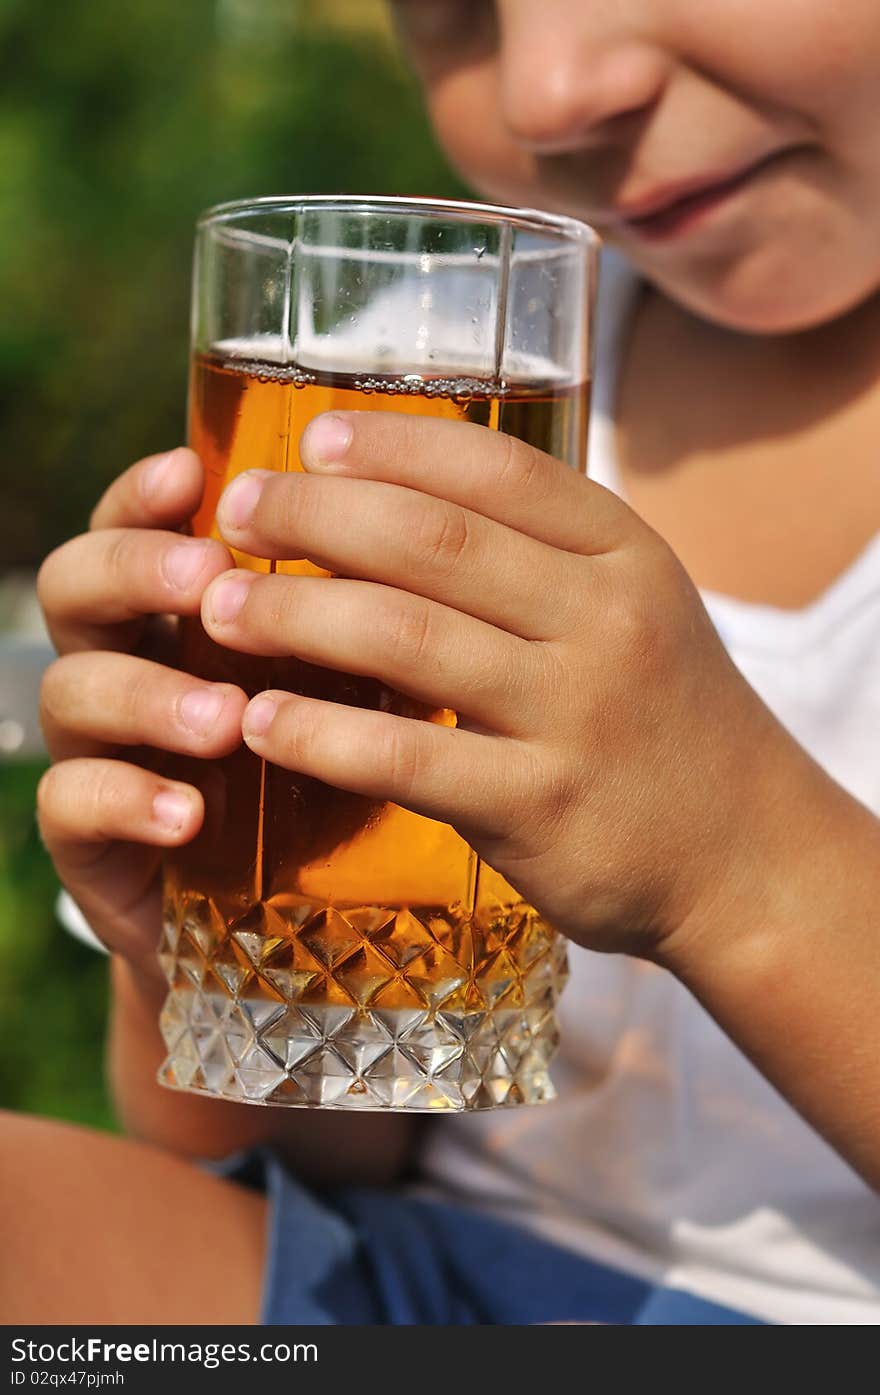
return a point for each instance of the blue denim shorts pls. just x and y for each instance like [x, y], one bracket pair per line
[363, 1255]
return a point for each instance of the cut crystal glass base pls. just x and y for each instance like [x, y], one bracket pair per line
[370, 1008]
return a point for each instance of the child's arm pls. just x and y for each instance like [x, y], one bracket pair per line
[609, 760]
[786, 958]
[105, 820]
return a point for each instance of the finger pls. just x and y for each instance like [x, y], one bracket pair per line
[394, 535]
[489, 472]
[86, 803]
[105, 825]
[93, 702]
[443, 772]
[161, 491]
[93, 587]
[420, 648]
[119, 891]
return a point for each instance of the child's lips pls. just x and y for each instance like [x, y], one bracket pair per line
[672, 209]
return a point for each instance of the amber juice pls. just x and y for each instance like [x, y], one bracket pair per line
[321, 947]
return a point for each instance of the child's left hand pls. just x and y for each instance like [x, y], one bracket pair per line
[609, 760]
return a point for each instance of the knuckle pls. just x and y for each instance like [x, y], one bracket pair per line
[557, 793]
[443, 538]
[108, 796]
[294, 735]
[119, 557]
[408, 629]
[643, 615]
[550, 785]
[400, 753]
[557, 687]
[135, 696]
[546, 787]
[632, 625]
[520, 467]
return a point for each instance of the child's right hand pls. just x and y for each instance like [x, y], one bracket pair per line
[104, 813]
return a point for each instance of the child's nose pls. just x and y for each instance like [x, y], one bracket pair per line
[563, 78]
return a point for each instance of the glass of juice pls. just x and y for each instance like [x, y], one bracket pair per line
[322, 948]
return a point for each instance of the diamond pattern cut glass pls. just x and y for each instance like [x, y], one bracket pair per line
[375, 1008]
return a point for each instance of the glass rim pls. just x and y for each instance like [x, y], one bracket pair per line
[453, 210]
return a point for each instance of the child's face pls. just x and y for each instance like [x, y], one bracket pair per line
[731, 148]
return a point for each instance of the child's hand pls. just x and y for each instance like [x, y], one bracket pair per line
[608, 753]
[105, 820]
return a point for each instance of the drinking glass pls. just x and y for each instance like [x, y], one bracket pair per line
[322, 948]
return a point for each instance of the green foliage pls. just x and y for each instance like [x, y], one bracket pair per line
[118, 124]
[53, 990]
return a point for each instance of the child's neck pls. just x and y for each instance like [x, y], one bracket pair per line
[758, 459]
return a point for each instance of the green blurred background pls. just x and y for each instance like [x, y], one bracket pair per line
[118, 124]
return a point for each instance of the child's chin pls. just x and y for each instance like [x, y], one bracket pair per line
[787, 302]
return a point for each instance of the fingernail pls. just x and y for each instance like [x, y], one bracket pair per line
[258, 715]
[154, 475]
[184, 561]
[228, 597]
[171, 809]
[200, 709]
[239, 499]
[326, 439]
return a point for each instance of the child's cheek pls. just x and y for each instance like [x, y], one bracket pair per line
[469, 125]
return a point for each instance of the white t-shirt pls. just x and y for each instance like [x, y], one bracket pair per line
[667, 1154]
